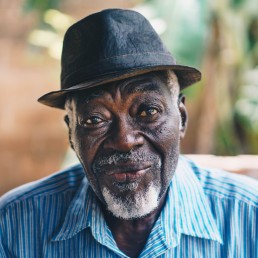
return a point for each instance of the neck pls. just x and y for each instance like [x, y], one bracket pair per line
[131, 235]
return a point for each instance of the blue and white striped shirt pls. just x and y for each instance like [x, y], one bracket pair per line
[207, 214]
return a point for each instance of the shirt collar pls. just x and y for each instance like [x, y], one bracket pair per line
[189, 204]
[77, 215]
[186, 211]
[85, 212]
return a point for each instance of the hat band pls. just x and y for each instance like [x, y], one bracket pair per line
[116, 65]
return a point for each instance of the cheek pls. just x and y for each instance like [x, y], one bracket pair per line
[171, 146]
[85, 148]
[165, 139]
[86, 143]
[165, 135]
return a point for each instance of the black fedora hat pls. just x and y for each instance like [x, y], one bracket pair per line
[112, 45]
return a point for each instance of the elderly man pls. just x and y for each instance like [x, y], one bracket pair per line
[132, 195]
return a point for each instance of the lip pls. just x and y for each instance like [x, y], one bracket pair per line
[127, 173]
[129, 176]
[125, 168]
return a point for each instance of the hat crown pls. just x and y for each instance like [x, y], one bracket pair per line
[109, 41]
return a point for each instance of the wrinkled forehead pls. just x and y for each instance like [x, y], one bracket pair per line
[158, 83]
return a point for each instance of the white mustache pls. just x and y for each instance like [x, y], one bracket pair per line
[120, 157]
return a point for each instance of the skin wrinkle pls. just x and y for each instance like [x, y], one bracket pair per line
[97, 176]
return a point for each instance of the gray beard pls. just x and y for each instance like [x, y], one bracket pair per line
[136, 204]
[133, 207]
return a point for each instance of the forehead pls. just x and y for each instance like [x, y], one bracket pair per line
[149, 83]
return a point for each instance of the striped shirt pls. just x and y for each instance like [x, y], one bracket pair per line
[207, 214]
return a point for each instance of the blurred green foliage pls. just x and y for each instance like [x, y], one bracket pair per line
[40, 5]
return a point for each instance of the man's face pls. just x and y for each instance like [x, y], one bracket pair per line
[126, 135]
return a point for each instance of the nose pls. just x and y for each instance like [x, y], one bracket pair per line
[123, 137]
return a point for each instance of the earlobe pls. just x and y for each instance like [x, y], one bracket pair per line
[67, 121]
[183, 113]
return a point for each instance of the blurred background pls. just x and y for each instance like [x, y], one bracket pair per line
[218, 37]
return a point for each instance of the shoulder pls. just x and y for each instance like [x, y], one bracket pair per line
[225, 185]
[65, 180]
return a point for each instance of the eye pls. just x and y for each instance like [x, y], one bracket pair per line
[149, 112]
[92, 121]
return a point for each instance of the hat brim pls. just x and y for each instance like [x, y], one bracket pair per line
[186, 77]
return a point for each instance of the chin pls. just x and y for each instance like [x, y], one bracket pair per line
[134, 205]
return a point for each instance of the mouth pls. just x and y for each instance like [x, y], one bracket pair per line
[126, 173]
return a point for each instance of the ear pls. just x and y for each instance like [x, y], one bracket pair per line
[183, 113]
[67, 121]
